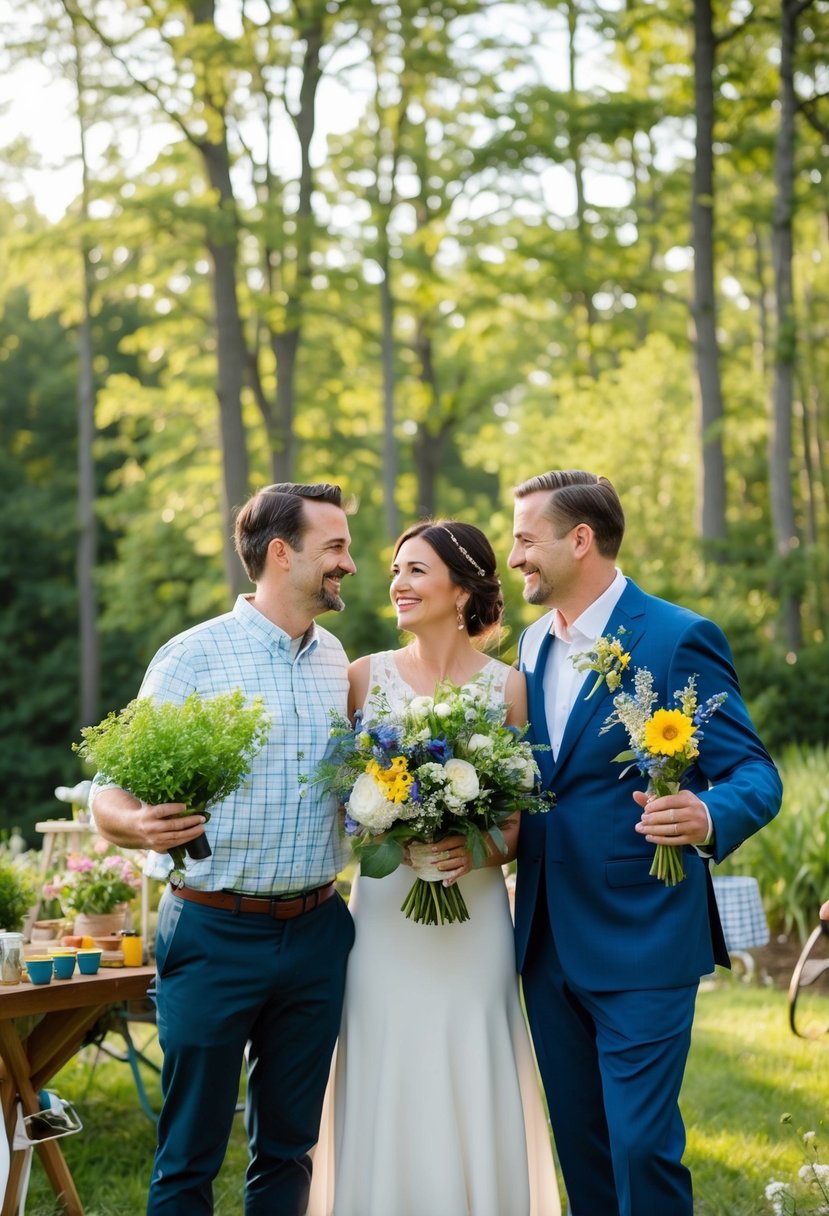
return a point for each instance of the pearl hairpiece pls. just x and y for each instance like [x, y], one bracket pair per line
[468, 557]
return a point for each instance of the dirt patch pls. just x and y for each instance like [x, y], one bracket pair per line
[775, 962]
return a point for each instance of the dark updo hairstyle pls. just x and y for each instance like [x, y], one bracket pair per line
[470, 560]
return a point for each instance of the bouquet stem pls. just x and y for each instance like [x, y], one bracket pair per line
[430, 903]
[667, 861]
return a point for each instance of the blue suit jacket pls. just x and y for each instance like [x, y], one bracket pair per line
[615, 927]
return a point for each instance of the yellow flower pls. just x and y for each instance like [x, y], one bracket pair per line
[667, 732]
[395, 781]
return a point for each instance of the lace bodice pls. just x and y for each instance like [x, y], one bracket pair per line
[383, 672]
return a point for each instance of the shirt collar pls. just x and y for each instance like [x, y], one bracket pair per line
[274, 639]
[589, 625]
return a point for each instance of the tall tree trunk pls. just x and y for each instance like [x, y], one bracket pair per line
[390, 459]
[712, 492]
[90, 665]
[285, 344]
[430, 442]
[578, 177]
[285, 347]
[222, 243]
[780, 441]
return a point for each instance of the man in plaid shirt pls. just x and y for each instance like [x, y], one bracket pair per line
[251, 951]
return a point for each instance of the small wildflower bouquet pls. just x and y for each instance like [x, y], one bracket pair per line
[448, 765]
[812, 1186]
[663, 746]
[608, 659]
[196, 753]
[94, 885]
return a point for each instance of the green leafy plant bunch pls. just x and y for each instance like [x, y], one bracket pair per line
[197, 752]
[17, 893]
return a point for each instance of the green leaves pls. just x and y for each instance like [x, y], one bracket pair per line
[381, 857]
[196, 753]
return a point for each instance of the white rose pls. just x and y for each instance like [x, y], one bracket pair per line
[421, 706]
[442, 710]
[463, 779]
[524, 771]
[369, 805]
[480, 743]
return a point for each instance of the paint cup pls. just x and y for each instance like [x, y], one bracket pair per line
[64, 964]
[88, 961]
[40, 970]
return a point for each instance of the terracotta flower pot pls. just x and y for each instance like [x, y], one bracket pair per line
[100, 924]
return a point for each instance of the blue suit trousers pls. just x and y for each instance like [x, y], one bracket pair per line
[612, 1065]
[228, 982]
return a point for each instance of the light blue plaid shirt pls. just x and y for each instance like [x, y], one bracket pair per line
[278, 833]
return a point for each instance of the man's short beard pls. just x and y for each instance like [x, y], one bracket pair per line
[330, 601]
[539, 596]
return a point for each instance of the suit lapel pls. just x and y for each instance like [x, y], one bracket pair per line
[628, 615]
[538, 711]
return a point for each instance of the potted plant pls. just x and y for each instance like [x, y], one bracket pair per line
[17, 894]
[96, 890]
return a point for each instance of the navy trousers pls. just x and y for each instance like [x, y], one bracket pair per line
[227, 982]
[612, 1065]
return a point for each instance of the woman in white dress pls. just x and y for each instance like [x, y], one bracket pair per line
[434, 1107]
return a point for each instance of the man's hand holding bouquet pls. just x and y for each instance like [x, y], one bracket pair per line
[448, 765]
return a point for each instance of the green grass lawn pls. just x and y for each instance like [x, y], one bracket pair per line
[745, 1071]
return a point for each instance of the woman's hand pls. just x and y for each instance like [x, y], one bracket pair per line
[453, 858]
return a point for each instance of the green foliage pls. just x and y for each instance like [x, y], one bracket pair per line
[790, 856]
[197, 752]
[790, 701]
[17, 894]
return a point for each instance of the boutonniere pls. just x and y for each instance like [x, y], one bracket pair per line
[608, 658]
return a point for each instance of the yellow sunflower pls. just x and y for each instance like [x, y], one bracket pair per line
[667, 732]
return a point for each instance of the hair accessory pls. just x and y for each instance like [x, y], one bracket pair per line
[458, 545]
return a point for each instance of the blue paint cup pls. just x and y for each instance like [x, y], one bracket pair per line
[40, 970]
[88, 961]
[64, 965]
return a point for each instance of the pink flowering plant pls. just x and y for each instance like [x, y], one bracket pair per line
[94, 885]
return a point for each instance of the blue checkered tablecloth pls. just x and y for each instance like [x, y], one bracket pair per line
[741, 912]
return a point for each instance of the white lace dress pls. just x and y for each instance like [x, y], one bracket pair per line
[434, 1107]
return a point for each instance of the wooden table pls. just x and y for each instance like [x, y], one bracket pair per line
[29, 1058]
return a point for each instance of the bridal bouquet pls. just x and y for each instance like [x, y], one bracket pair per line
[663, 746]
[448, 765]
[197, 752]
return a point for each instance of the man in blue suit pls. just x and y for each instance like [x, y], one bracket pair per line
[610, 956]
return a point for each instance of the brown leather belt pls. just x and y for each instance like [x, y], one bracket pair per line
[278, 906]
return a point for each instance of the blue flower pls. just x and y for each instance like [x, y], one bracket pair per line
[352, 827]
[440, 750]
[384, 736]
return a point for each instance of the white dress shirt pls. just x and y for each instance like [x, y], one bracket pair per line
[561, 680]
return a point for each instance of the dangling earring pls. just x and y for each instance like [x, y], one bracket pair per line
[461, 621]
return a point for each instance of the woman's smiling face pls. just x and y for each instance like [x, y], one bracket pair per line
[422, 590]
